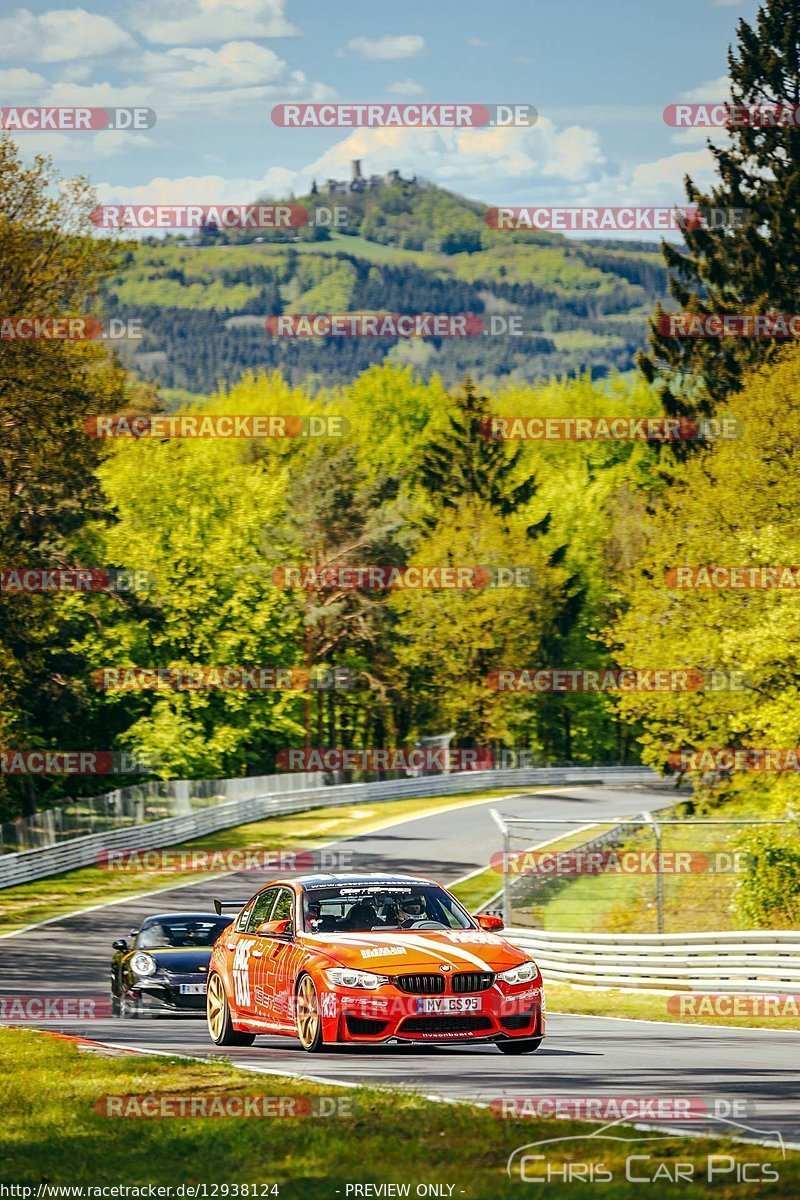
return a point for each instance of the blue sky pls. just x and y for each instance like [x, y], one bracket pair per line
[599, 74]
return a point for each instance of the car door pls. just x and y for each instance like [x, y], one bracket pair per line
[271, 1001]
[248, 950]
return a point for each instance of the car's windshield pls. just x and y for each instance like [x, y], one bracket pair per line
[180, 932]
[355, 907]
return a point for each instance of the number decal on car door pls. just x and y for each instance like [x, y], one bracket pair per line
[241, 975]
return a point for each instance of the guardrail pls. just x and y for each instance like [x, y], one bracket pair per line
[29, 865]
[741, 961]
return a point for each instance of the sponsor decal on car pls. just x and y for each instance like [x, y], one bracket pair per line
[382, 951]
[328, 1004]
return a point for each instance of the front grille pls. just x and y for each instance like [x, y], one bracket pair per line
[520, 1021]
[472, 981]
[421, 985]
[444, 1025]
[364, 1025]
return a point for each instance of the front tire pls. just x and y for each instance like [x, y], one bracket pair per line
[218, 1016]
[309, 1021]
[521, 1046]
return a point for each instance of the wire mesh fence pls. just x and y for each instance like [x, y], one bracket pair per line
[643, 874]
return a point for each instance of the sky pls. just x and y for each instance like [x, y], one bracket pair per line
[598, 72]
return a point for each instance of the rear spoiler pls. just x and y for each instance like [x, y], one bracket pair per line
[220, 904]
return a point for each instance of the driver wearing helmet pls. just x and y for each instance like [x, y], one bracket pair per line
[410, 909]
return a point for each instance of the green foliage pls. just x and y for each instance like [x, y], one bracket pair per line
[752, 269]
[768, 894]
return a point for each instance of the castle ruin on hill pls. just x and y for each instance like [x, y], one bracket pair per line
[362, 183]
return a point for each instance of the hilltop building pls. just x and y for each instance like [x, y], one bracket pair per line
[359, 182]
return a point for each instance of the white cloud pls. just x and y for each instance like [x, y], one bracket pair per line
[403, 46]
[60, 35]
[478, 42]
[16, 81]
[229, 77]
[717, 90]
[183, 22]
[671, 169]
[405, 87]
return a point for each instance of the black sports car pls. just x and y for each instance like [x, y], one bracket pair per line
[165, 965]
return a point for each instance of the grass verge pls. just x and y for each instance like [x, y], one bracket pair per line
[31, 902]
[652, 1006]
[52, 1134]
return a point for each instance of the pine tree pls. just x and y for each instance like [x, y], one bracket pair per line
[754, 268]
[463, 461]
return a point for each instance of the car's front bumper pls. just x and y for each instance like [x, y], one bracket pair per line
[383, 1016]
[160, 994]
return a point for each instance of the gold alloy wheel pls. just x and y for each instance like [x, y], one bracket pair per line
[215, 1007]
[307, 1012]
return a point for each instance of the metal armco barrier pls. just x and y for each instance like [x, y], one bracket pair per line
[749, 961]
[78, 852]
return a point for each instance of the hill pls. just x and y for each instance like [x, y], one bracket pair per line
[407, 247]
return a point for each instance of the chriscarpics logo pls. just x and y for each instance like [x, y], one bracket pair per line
[615, 1153]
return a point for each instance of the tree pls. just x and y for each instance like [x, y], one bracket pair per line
[752, 269]
[461, 460]
[731, 504]
[50, 266]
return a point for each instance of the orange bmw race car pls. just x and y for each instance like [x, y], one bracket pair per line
[370, 959]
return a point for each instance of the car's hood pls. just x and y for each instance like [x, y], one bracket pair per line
[178, 962]
[400, 952]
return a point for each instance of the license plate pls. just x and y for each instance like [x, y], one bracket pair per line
[193, 989]
[449, 1004]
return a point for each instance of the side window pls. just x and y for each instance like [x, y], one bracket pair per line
[284, 908]
[261, 910]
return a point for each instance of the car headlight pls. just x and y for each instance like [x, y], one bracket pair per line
[143, 964]
[349, 977]
[524, 973]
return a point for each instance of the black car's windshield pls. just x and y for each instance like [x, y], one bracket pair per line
[180, 932]
[354, 907]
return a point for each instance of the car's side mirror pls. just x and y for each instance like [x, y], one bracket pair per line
[276, 929]
[490, 924]
[120, 944]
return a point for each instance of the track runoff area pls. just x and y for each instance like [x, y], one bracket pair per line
[741, 1082]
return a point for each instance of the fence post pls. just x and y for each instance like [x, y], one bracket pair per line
[648, 816]
[501, 825]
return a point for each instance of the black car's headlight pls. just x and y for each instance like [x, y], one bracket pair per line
[143, 964]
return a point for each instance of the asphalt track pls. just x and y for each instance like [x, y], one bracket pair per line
[755, 1070]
